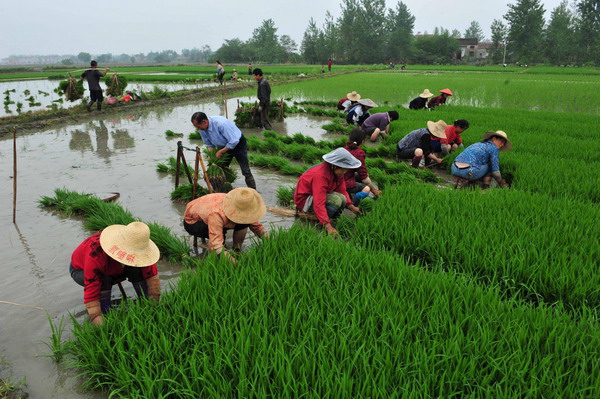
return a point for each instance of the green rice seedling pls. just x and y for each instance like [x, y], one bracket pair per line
[171, 167]
[170, 133]
[306, 313]
[333, 113]
[115, 85]
[302, 139]
[56, 345]
[44, 93]
[285, 195]
[171, 247]
[317, 102]
[334, 127]
[195, 136]
[277, 163]
[366, 205]
[182, 193]
[502, 238]
[72, 88]
[11, 390]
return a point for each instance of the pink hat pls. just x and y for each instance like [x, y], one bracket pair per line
[446, 91]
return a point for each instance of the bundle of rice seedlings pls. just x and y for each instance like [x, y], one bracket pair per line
[171, 167]
[72, 88]
[115, 85]
[285, 195]
[170, 133]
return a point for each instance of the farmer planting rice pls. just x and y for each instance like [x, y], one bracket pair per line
[110, 256]
[93, 76]
[481, 161]
[378, 124]
[322, 188]
[421, 101]
[360, 112]
[452, 140]
[439, 100]
[417, 144]
[358, 189]
[217, 131]
[211, 215]
[346, 103]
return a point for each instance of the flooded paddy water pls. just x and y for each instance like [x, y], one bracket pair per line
[106, 154]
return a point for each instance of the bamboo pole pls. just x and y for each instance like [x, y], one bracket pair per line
[225, 98]
[14, 219]
[186, 168]
[179, 150]
[206, 178]
[195, 185]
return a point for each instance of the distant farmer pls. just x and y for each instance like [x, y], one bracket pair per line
[322, 188]
[250, 69]
[439, 100]
[481, 161]
[264, 98]
[93, 76]
[211, 215]
[452, 140]
[360, 112]
[223, 136]
[329, 62]
[234, 75]
[356, 139]
[346, 103]
[379, 123]
[417, 144]
[109, 257]
[421, 101]
[220, 71]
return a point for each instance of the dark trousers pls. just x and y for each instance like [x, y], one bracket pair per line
[200, 229]
[96, 95]
[133, 274]
[264, 115]
[240, 153]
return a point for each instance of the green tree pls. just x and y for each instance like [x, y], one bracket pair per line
[400, 38]
[474, 31]
[499, 34]
[265, 43]
[309, 46]
[84, 57]
[560, 41]
[330, 38]
[439, 48]
[289, 47]
[589, 30]
[362, 24]
[526, 28]
[231, 51]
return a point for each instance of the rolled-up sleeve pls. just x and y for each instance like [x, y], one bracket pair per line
[215, 233]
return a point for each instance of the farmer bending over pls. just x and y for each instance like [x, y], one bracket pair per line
[355, 140]
[217, 131]
[322, 188]
[211, 215]
[417, 144]
[360, 112]
[378, 124]
[348, 102]
[481, 161]
[421, 101]
[107, 258]
[452, 140]
[441, 99]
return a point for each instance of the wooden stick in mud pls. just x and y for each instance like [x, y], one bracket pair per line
[292, 213]
[20, 304]
[225, 98]
[14, 175]
[206, 178]
[195, 185]
[186, 169]
[179, 151]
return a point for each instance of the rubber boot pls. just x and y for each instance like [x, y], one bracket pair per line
[141, 288]
[89, 106]
[416, 161]
[99, 106]
[105, 301]
[250, 182]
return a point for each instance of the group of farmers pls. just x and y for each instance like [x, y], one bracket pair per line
[341, 181]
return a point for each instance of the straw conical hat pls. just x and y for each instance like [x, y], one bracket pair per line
[438, 129]
[244, 206]
[426, 94]
[130, 245]
[499, 133]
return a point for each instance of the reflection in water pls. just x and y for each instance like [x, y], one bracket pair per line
[80, 141]
[36, 270]
[122, 139]
[102, 141]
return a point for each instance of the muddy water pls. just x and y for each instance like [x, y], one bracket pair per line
[107, 154]
[43, 93]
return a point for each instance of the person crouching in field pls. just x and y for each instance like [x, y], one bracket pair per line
[322, 188]
[452, 140]
[110, 256]
[360, 112]
[348, 102]
[421, 101]
[481, 161]
[211, 215]
[441, 99]
[417, 144]
[355, 140]
[378, 124]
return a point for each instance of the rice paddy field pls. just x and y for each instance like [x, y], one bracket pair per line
[432, 293]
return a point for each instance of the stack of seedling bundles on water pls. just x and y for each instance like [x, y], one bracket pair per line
[115, 85]
[248, 115]
[72, 88]
[220, 175]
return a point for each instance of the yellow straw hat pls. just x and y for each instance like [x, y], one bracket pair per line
[130, 245]
[354, 96]
[244, 206]
[499, 133]
[438, 129]
[426, 94]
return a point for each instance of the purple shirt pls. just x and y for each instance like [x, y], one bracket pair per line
[380, 120]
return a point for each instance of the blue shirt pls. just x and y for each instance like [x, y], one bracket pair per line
[480, 154]
[221, 132]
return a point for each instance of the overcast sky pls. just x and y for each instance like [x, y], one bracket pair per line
[140, 26]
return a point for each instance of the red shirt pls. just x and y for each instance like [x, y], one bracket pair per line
[95, 263]
[451, 136]
[349, 177]
[436, 101]
[319, 181]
